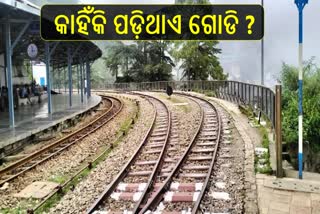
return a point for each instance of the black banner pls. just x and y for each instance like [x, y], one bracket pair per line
[152, 22]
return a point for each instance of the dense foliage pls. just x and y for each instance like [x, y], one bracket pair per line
[139, 61]
[151, 61]
[199, 60]
[311, 105]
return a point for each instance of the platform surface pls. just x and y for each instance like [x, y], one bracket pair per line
[33, 119]
[274, 199]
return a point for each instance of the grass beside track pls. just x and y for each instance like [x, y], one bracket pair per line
[174, 99]
[265, 142]
[64, 179]
[123, 130]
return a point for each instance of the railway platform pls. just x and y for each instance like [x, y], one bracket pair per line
[291, 197]
[33, 119]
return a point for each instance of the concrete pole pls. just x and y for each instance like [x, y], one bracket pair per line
[9, 73]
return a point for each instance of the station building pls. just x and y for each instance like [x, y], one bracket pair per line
[29, 104]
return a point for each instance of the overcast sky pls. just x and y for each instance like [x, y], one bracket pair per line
[242, 58]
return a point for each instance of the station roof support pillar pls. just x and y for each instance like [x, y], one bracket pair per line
[81, 80]
[70, 76]
[48, 54]
[59, 80]
[73, 55]
[47, 47]
[78, 79]
[9, 72]
[65, 79]
[88, 79]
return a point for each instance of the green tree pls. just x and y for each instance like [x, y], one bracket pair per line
[154, 63]
[311, 108]
[140, 61]
[118, 58]
[198, 59]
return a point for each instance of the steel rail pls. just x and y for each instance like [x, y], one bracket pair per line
[88, 166]
[192, 140]
[65, 139]
[151, 205]
[111, 187]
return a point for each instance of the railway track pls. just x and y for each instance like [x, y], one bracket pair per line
[18, 168]
[142, 169]
[177, 183]
[185, 185]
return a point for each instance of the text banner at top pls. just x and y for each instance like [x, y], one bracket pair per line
[152, 22]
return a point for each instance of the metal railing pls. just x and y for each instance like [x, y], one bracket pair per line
[259, 98]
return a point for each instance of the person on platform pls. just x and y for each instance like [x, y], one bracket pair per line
[85, 85]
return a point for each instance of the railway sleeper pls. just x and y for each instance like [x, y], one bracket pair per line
[126, 196]
[150, 162]
[162, 126]
[207, 138]
[157, 139]
[155, 145]
[176, 197]
[160, 130]
[140, 173]
[209, 150]
[153, 151]
[206, 144]
[5, 177]
[175, 186]
[208, 133]
[196, 167]
[193, 175]
[200, 158]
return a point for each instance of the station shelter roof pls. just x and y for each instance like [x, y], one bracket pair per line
[20, 12]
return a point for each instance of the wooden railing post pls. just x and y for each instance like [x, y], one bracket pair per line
[279, 170]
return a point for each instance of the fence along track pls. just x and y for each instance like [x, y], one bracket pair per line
[259, 97]
[130, 187]
[186, 184]
[20, 167]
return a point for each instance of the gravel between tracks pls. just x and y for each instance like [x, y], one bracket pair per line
[89, 189]
[187, 114]
[228, 174]
[185, 119]
[53, 136]
[66, 163]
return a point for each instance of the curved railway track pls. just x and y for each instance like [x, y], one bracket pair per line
[177, 183]
[183, 189]
[142, 169]
[18, 168]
